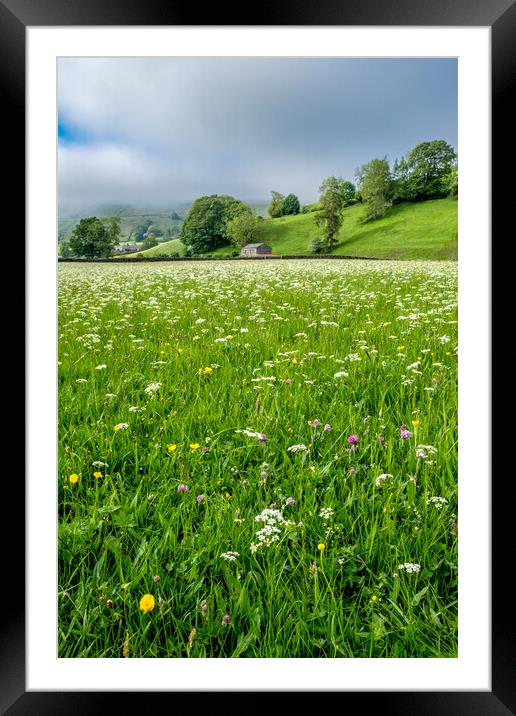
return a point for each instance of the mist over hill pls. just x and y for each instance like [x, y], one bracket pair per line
[134, 210]
[162, 215]
[127, 210]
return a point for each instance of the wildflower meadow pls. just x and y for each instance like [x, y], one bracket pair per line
[257, 459]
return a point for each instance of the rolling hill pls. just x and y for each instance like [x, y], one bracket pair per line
[167, 248]
[424, 230]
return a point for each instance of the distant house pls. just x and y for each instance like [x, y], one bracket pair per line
[126, 249]
[256, 250]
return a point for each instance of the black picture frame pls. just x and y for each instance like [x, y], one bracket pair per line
[500, 16]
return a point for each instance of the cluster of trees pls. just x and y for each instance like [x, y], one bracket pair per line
[147, 232]
[215, 221]
[428, 171]
[425, 172]
[94, 237]
[283, 205]
[139, 234]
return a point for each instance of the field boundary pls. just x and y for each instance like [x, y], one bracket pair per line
[216, 258]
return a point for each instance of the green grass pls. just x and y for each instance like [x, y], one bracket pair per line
[425, 230]
[164, 249]
[156, 355]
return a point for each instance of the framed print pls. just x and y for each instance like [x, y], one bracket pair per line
[53, 653]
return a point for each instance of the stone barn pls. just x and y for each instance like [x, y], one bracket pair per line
[256, 250]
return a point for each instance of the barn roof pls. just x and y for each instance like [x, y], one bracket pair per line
[254, 246]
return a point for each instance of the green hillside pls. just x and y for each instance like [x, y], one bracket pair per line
[164, 249]
[424, 230]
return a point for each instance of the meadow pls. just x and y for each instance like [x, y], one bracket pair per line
[258, 460]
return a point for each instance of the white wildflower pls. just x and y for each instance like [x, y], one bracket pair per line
[273, 522]
[437, 502]
[409, 567]
[230, 556]
[423, 451]
[414, 366]
[297, 448]
[252, 434]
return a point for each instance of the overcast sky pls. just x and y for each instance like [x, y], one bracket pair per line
[167, 130]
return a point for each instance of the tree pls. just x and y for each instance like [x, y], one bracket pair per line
[242, 228]
[348, 191]
[138, 234]
[171, 232]
[174, 216]
[94, 237]
[149, 242]
[64, 248]
[453, 183]
[376, 187]
[316, 246]
[331, 204]
[401, 181]
[275, 208]
[205, 227]
[113, 230]
[424, 172]
[291, 205]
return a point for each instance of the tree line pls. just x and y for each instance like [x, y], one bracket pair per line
[428, 171]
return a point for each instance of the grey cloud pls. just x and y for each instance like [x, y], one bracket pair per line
[175, 128]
